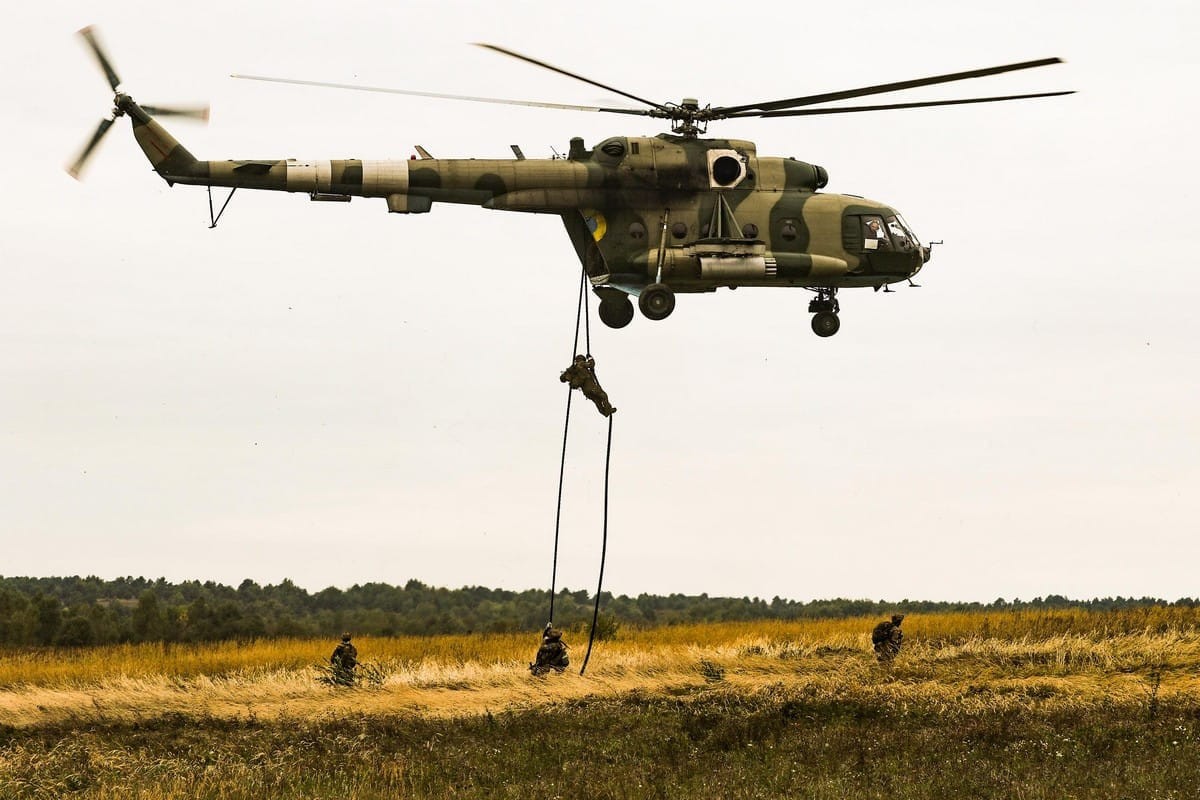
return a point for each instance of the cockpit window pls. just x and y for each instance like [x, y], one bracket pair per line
[879, 232]
[887, 233]
[874, 234]
[902, 235]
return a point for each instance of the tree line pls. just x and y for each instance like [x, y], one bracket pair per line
[76, 611]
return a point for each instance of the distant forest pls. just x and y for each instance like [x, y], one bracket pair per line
[78, 611]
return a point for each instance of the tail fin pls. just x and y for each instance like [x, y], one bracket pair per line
[169, 158]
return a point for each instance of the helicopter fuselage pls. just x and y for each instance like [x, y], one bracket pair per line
[681, 212]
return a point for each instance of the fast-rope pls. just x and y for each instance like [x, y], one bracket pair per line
[603, 550]
[581, 316]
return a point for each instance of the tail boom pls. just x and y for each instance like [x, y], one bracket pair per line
[409, 186]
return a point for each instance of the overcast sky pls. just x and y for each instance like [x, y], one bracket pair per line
[332, 394]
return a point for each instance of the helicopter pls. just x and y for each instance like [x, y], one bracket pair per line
[649, 216]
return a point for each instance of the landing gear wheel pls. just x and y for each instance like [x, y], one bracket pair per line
[616, 313]
[825, 323]
[657, 301]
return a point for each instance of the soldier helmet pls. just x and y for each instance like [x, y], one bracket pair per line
[553, 634]
[897, 619]
[345, 637]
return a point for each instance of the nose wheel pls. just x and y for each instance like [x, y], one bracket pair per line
[825, 323]
[824, 308]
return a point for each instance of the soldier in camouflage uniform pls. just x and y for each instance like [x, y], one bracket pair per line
[582, 375]
[886, 638]
[552, 655]
[344, 660]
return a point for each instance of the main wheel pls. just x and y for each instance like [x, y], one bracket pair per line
[825, 323]
[616, 313]
[657, 301]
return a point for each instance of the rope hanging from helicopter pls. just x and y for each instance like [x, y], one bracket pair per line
[582, 318]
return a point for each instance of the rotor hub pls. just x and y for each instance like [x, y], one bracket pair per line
[687, 117]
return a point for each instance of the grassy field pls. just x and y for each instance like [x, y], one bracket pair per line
[1017, 705]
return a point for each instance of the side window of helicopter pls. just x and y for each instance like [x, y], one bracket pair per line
[637, 230]
[874, 234]
[788, 230]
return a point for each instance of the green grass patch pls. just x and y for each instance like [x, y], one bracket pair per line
[713, 744]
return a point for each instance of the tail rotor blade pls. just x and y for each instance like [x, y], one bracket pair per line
[89, 36]
[75, 169]
[199, 112]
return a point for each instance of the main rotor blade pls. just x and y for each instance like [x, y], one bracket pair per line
[805, 112]
[776, 105]
[89, 36]
[569, 74]
[438, 95]
[199, 112]
[75, 169]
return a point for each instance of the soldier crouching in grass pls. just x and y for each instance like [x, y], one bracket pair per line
[343, 661]
[886, 639]
[552, 655]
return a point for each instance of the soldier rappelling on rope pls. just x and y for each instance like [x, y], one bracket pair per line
[582, 375]
[552, 655]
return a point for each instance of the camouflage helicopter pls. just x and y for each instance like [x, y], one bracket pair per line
[649, 217]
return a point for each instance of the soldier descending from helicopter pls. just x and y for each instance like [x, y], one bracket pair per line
[582, 375]
[552, 655]
[886, 638]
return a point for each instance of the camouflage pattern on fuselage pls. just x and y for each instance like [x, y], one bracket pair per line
[696, 214]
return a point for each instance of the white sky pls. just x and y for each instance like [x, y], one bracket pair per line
[337, 395]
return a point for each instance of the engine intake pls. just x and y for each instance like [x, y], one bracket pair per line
[726, 169]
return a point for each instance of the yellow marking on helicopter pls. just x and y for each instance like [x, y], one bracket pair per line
[596, 223]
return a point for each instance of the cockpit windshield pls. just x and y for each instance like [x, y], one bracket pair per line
[879, 232]
[901, 234]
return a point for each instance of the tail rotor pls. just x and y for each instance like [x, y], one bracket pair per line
[121, 103]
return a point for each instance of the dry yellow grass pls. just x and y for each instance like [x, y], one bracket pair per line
[968, 662]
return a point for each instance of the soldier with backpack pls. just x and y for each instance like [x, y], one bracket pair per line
[552, 655]
[886, 638]
[343, 661]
